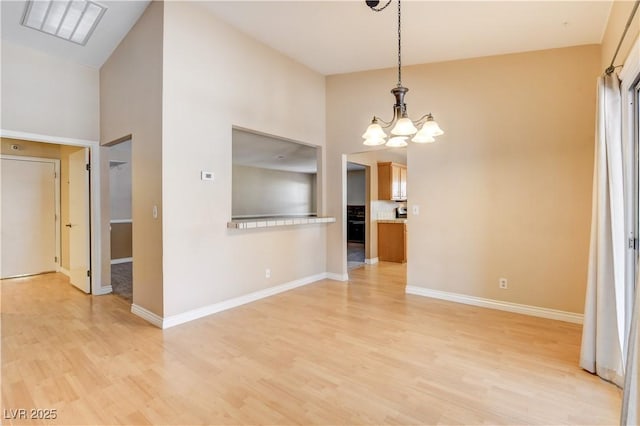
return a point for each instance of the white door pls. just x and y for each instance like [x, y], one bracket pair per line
[79, 255]
[28, 216]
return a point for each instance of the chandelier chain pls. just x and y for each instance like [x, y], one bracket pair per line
[399, 47]
[378, 9]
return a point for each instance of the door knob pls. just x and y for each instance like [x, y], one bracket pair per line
[68, 225]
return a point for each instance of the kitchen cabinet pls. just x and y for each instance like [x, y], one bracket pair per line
[392, 241]
[392, 181]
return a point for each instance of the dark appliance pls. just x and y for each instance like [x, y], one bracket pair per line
[355, 223]
[401, 212]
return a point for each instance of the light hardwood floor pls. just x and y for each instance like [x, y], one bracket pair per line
[327, 353]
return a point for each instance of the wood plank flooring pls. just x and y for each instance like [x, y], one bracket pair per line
[327, 353]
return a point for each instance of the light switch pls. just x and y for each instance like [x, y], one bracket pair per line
[415, 210]
[155, 212]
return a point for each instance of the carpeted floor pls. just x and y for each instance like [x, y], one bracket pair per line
[122, 280]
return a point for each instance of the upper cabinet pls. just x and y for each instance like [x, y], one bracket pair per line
[392, 181]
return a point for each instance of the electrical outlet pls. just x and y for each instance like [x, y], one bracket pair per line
[502, 282]
[415, 210]
[267, 273]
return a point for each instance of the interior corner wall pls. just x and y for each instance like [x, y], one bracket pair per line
[49, 96]
[131, 104]
[215, 77]
[618, 17]
[506, 191]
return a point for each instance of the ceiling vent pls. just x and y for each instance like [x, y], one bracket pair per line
[72, 20]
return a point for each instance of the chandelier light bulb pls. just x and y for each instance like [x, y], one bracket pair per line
[374, 141]
[432, 127]
[374, 131]
[404, 127]
[423, 137]
[397, 142]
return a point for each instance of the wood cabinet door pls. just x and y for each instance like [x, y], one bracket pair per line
[396, 188]
[403, 183]
[392, 242]
[384, 181]
[392, 181]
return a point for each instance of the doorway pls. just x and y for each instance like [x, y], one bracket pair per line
[376, 207]
[356, 215]
[121, 222]
[30, 236]
[46, 210]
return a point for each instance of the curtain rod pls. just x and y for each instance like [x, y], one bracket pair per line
[610, 69]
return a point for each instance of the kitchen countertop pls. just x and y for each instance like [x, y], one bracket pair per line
[392, 220]
[277, 221]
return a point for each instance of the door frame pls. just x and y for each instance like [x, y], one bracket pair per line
[56, 180]
[367, 220]
[94, 194]
[630, 80]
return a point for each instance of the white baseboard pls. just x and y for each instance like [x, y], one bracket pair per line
[147, 315]
[64, 271]
[194, 314]
[497, 304]
[337, 277]
[121, 260]
[107, 289]
[371, 261]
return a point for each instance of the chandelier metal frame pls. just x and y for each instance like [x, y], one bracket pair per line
[401, 125]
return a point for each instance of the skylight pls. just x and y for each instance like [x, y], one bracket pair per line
[72, 20]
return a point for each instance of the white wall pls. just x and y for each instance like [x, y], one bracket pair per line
[214, 78]
[266, 192]
[120, 181]
[47, 95]
[356, 188]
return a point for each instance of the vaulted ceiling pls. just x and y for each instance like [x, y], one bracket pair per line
[346, 36]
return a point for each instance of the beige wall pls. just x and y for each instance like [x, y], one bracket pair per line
[49, 96]
[120, 181]
[356, 187]
[618, 17]
[506, 192]
[131, 104]
[121, 240]
[214, 78]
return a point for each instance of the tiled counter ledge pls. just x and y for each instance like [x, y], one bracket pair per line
[274, 222]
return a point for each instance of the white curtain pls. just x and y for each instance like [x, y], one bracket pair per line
[603, 329]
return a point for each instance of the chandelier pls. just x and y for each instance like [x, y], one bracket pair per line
[402, 127]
